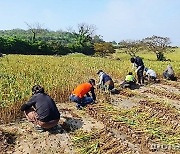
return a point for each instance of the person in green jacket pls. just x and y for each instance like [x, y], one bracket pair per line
[129, 81]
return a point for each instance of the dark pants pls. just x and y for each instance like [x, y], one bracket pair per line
[169, 76]
[129, 84]
[150, 78]
[81, 101]
[140, 75]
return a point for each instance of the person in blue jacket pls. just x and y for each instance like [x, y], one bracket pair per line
[105, 81]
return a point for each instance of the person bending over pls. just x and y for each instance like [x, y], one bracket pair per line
[138, 63]
[81, 96]
[105, 81]
[150, 75]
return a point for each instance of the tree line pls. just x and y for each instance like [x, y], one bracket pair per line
[39, 41]
[36, 40]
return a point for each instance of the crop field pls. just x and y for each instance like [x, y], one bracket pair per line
[144, 120]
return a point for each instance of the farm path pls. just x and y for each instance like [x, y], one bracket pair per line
[30, 141]
[165, 92]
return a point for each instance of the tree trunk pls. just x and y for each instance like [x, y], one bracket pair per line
[34, 37]
[160, 56]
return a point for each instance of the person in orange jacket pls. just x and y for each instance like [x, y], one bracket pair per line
[80, 94]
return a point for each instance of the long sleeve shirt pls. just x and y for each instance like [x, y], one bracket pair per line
[45, 107]
[138, 63]
[103, 78]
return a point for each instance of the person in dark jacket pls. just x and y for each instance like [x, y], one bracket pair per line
[169, 73]
[105, 81]
[139, 65]
[41, 109]
[81, 96]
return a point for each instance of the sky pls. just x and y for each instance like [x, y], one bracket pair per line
[115, 20]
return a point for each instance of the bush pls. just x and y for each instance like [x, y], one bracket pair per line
[103, 49]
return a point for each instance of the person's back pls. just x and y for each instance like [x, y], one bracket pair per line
[81, 96]
[129, 78]
[169, 73]
[41, 109]
[82, 89]
[45, 107]
[138, 61]
[151, 73]
[129, 81]
[106, 78]
[170, 70]
[105, 81]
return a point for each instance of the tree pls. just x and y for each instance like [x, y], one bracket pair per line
[103, 49]
[35, 29]
[158, 45]
[83, 39]
[97, 39]
[131, 47]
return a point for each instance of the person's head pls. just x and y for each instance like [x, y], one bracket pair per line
[130, 73]
[132, 60]
[100, 71]
[146, 69]
[169, 66]
[92, 82]
[37, 89]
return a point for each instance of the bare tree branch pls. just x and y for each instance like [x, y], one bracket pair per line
[35, 28]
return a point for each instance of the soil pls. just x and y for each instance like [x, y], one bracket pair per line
[22, 138]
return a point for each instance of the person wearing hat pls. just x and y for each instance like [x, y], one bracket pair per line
[150, 74]
[41, 109]
[105, 81]
[81, 96]
[138, 63]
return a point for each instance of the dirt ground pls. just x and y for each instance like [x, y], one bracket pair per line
[22, 138]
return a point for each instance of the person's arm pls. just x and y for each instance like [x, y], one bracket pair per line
[29, 104]
[101, 79]
[138, 68]
[88, 95]
[93, 94]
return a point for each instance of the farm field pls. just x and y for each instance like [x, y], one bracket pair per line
[144, 120]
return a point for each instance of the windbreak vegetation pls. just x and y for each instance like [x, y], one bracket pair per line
[47, 42]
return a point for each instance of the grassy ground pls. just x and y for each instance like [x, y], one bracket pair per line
[151, 62]
[129, 122]
[59, 75]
